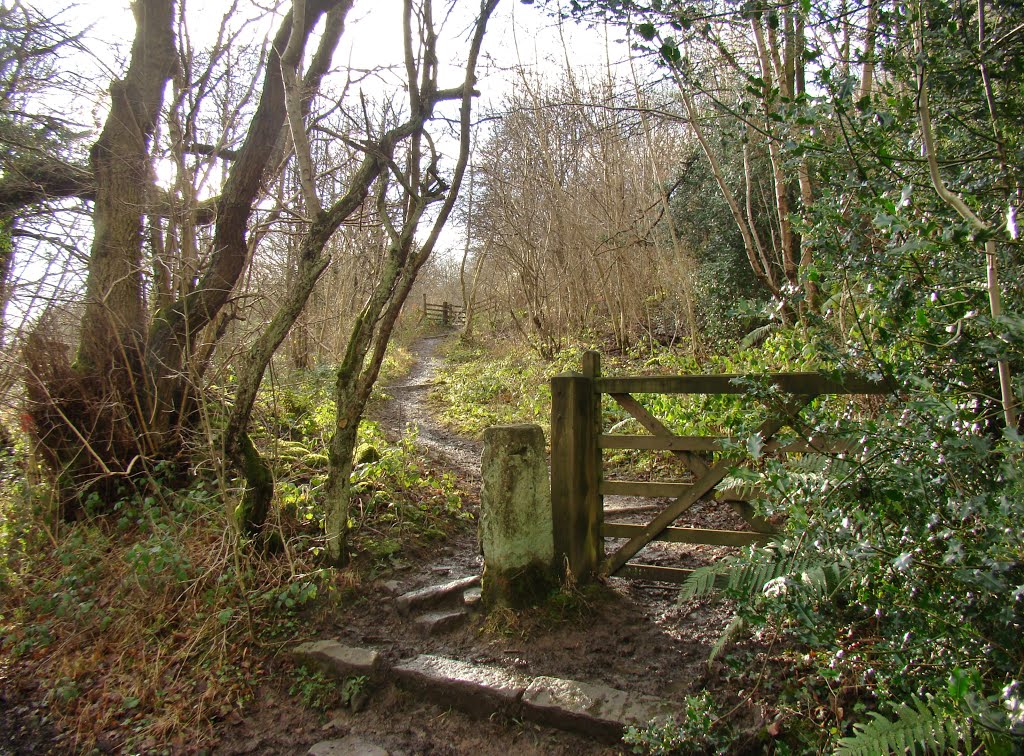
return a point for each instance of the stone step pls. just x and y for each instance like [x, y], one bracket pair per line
[339, 660]
[435, 596]
[473, 688]
[442, 621]
[472, 597]
[597, 711]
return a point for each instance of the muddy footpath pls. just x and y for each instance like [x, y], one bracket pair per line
[629, 635]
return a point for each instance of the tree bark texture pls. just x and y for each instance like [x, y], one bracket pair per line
[175, 328]
[92, 417]
[114, 323]
[126, 398]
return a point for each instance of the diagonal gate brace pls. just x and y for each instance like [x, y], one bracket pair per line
[701, 487]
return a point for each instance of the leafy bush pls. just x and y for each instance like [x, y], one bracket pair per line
[903, 565]
[700, 731]
[499, 384]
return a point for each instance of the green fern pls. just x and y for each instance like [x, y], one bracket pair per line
[759, 334]
[700, 584]
[736, 626]
[810, 580]
[919, 727]
[808, 464]
[747, 578]
[823, 581]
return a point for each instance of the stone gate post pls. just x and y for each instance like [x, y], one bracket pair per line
[516, 534]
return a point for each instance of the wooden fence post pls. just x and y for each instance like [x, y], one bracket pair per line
[576, 471]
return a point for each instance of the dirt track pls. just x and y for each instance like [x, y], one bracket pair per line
[408, 406]
[628, 635]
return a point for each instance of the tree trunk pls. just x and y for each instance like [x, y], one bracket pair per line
[176, 327]
[129, 394]
[93, 419]
[114, 323]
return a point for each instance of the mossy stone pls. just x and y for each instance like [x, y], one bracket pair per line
[366, 454]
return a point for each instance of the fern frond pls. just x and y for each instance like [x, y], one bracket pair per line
[808, 464]
[822, 581]
[919, 727]
[759, 334]
[748, 580]
[700, 584]
[736, 626]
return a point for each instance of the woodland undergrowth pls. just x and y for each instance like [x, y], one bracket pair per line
[143, 629]
[893, 592]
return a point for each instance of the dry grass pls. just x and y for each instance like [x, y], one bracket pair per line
[147, 626]
[146, 629]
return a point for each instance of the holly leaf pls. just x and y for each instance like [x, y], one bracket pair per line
[647, 31]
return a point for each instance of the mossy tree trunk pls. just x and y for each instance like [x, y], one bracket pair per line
[128, 398]
[92, 416]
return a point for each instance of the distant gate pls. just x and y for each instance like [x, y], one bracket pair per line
[443, 313]
[578, 439]
[450, 314]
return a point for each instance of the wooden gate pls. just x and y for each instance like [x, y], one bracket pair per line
[578, 439]
[443, 313]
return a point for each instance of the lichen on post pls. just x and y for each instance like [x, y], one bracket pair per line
[516, 533]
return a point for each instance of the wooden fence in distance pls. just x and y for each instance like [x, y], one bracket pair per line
[443, 313]
[449, 314]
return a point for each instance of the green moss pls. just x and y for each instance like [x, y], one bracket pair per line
[366, 454]
[251, 512]
[525, 587]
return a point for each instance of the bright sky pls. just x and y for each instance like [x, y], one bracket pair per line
[519, 34]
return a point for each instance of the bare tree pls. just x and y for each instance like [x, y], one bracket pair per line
[403, 197]
[128, 396]
[421, 186]
[569, 208]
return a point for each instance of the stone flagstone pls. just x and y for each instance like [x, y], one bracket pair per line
[473, 688]
[339, 660]
[434, 595]
[595, 710]
[437, 623]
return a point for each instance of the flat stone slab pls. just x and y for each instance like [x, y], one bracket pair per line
[336, 659]
[595, 710]
[349, 746]
[473, 688]
[434, 595]
[436, 623]
[472, 597]
[391, 587]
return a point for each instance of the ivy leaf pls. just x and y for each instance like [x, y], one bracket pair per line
[647, 31]
[962, 682]
[670, 52]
